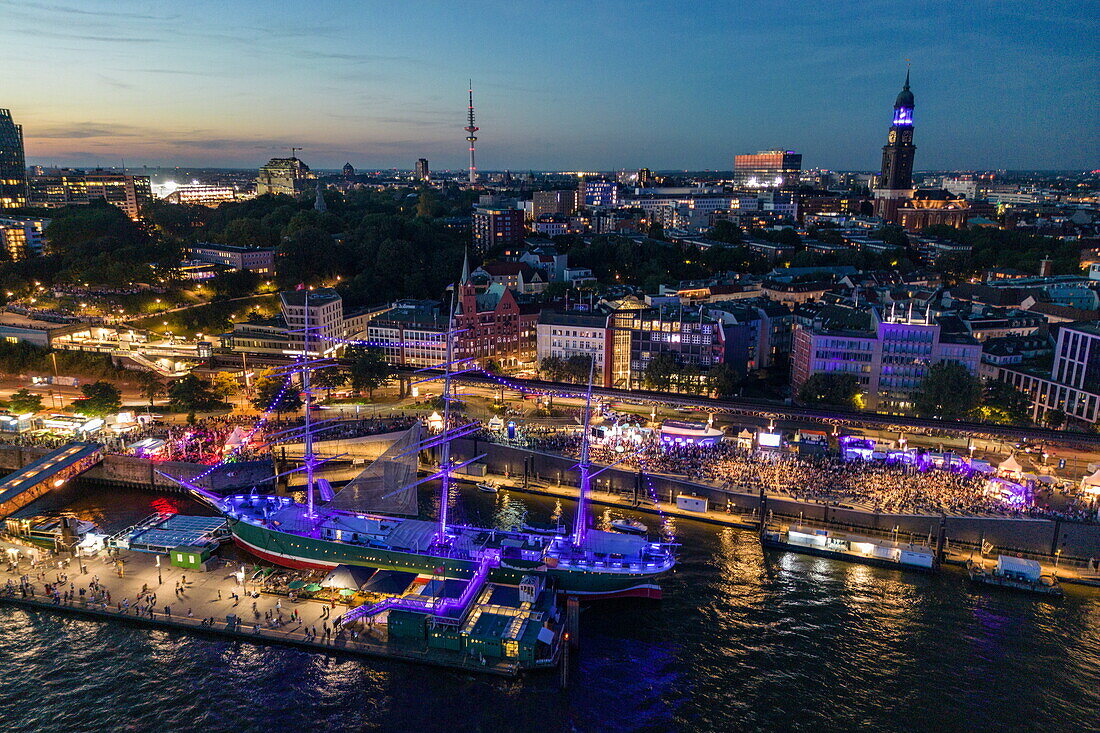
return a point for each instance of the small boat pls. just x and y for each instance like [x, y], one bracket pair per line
[488, 486]
[1015, 573]
[629, 526]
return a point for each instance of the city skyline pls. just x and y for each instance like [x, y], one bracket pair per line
[659, 87]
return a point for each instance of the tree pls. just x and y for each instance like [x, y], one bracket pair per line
[24, 401]
[224, 385]
[100, 400]
[1003, 403]
[553, 368]
[273, 394]
[830, 388]
[659, 371]
[722, 380]
[369, 370]
[578, 367]
[190, 393]
[1054, 419]
[726, 231]
[150, 387]
[948, 390]
[328, 379]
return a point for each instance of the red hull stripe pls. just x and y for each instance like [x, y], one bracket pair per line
[652, 591]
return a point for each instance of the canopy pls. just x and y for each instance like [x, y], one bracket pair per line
[236, 438]
[296, 584]
[1010, 465]
[1091, 483]
[312, 588]
[349, 577]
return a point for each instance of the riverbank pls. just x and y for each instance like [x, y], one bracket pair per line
[212, 603]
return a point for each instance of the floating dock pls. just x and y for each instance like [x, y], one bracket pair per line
[850, 547]
[161, 533]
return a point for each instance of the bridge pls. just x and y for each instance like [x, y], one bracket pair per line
[45, 474]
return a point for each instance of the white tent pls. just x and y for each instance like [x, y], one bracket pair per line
[1091, 484]
[1010, 465]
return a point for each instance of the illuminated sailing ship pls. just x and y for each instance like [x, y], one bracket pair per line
[361, 523]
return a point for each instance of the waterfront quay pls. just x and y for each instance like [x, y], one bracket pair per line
[211, 602]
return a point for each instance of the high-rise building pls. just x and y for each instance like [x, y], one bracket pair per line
[896, 180]
[129, 193]
[21, 238]
[497, 226]
[597, 193]
[288, 176]
[768, 169]
[645, 177]
[349, 170]
[53, 187]
[553, 202]
[13, 164]
[422, 171]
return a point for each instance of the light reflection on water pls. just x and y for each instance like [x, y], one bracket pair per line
[743, 640]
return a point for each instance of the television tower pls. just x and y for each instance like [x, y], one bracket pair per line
[471, 137]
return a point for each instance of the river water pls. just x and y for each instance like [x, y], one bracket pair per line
[742, 641]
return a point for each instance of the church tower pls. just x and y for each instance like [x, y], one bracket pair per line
[896, 181]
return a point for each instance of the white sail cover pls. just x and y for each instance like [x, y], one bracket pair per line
[385, 485]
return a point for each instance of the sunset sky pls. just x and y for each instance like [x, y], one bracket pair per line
[558, 85]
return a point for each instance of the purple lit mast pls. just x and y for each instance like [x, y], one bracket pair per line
[580, 522]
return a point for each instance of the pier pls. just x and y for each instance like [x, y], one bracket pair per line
[210, 603]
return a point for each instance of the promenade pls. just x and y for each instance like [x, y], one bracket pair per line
[210, 602]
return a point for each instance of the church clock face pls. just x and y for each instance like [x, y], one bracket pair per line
[893, 136]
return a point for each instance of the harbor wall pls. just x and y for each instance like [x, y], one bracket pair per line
[1039, 536]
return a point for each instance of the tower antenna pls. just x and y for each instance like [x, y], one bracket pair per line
[471, 136]
[292, 151]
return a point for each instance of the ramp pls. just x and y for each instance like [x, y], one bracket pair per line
[48, 472]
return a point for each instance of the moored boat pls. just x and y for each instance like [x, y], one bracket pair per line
[1015, 573]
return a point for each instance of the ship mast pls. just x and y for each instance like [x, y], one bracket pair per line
[308, 457]
[445, 453]
[580, 522]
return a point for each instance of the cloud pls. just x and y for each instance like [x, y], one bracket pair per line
[84, 130]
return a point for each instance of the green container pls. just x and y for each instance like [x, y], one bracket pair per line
[439, 639]
[407, 625]
[190, 557]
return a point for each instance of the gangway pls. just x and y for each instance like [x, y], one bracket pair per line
[49, 472]
[439, 607]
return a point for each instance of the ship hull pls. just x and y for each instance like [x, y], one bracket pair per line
[295, 551]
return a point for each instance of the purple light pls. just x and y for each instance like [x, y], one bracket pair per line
[903, 116]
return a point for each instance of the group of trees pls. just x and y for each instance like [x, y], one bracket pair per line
[574, 369]
[948, 391]
[665, 373]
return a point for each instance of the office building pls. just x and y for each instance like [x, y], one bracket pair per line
[129, 193]
[553, 202]
[694, 341]
[13, 164]
[889, 354]
[22, 238]
[259, 260]
[200, 194]
[411, 333]
[563, 335]
[1072, 385]
[288, 176]
[55, 187]
[598, 193]
[423, 173]
[767, 169]
[497, 226]
[645, 177]
[895, 185]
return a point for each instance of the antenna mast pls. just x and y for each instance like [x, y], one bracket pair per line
[445, 454]
[471, 136]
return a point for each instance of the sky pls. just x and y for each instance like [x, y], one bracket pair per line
[558, 85]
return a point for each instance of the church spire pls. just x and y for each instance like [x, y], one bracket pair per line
[465, 267]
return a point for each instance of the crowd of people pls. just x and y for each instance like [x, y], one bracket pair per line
[877, 485]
